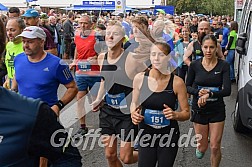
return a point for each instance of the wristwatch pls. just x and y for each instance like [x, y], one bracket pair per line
[60, 104]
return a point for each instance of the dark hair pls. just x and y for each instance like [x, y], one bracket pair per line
[14, 10]
[70, 15]
[101, 26]
[141, 21]
[224, 19]
[211, 37]
[220, 23]
[234, 26]
[2, 37]
[164, 45]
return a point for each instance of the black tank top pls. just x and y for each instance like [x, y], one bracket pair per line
[156, 101]
[117, 86]
[197, 51]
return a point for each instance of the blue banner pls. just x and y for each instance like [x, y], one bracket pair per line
[31, 0]
[99, 3]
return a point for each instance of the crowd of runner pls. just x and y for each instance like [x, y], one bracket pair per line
[138, 70]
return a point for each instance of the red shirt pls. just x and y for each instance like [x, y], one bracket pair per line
[85, 49]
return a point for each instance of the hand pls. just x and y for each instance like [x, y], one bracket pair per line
[92, 60]
[169, 113]
[203, 92]
[56, 109]
[226, 53]
[6, 84]
[96, 105]
[71, 66]
[202, 100]
[136, 116]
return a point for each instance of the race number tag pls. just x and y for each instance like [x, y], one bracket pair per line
[155, 118]
[117, 101]
[84, 66]
[212, 89]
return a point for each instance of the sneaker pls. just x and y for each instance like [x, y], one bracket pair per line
[199, 154]
[81, 132]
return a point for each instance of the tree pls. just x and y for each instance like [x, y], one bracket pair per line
[214, 7]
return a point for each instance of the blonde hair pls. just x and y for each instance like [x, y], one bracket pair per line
[118, 24]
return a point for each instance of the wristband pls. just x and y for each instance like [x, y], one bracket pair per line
[60, 104]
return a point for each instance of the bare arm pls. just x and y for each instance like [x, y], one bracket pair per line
[68, 96]
[101, 91]
[188, 53]
[14, 85]
[180, 90]
[219, 52]
[134, 107]
[220, 38]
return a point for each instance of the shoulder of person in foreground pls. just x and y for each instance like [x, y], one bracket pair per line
[49, 139]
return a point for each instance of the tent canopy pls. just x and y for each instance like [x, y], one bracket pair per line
[3, 8]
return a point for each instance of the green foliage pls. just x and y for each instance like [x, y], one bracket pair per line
[214, 7]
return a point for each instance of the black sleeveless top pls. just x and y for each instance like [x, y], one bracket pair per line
[116, 82]
[155, 101]
[197, 51]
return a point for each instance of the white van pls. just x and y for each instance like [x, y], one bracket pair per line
[243, 68]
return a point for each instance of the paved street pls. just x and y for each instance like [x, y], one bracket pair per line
[236, 148]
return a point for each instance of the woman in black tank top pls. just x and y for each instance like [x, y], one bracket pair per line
[155, 94]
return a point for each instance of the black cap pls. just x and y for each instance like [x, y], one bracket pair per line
[121, 15]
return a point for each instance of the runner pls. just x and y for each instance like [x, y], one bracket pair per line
[194, 48]
[156, 92]
[208, 82]
[87, 71]
[14, 27]
[116, 86]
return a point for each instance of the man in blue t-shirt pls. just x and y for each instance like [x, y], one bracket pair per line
[38, 74]
[224, 41]
[24, 135]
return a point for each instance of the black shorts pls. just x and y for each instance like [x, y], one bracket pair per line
[205, 119]
[113, 125]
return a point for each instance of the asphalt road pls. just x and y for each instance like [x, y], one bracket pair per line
[236, 148]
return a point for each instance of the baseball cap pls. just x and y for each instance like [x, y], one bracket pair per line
[31, 13]
[33, 32]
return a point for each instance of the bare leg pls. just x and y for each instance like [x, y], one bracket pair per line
[111, 151]
[216, 131]
[127, 155]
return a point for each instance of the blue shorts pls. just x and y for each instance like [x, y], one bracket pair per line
[85, 83]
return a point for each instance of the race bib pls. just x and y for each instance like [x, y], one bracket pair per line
[117, 101]
[212, 89]
[84, 66]
[155, 118]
